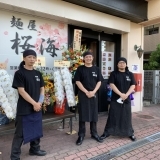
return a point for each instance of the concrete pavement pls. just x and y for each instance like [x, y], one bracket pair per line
[61, 146]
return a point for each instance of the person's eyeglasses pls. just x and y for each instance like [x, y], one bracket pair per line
[121, 62]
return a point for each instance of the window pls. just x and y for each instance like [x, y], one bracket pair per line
[151, 30]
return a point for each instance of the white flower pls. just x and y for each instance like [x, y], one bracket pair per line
[8, 95]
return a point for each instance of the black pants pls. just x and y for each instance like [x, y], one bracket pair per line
[82, 128]
[18, 140]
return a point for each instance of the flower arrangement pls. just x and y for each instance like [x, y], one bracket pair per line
[49, 95]
[75, 57]
[8, 95]
[76, 99]
[67, 82]
[59, 89]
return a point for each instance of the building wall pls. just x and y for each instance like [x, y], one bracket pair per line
[69, 13]
[20, 32]
[134, 37]
[153, 9]
[80, 16]
[151, 41]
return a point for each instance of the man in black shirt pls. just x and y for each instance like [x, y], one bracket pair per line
[122, 83]
[88, 79]
[28, 123]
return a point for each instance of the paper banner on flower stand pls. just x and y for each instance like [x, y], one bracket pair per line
[41, 61]
[60, 63]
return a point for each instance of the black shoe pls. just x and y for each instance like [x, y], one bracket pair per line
[79, 140]
[104, 135]
[133, 138]
[37, 153]
[97, 138]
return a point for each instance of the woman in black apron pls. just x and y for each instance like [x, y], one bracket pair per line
[119, 122]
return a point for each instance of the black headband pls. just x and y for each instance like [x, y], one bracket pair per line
[87, 53]
[122, 59]
[29, 52]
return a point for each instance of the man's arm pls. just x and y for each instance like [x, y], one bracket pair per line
[81, 87]
[97, 87]
[25, 95]
[122, 95]
[115, 89]
[28, 98]
[131, 89]
[41, 96]
[88, 93]
[92, 93]
[42, 90]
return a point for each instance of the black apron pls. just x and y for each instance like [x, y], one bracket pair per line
[119, 121]
[32, 127]
[87, 108]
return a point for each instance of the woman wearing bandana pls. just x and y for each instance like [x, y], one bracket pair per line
[28, 123]
[119, 121]
[88, 79]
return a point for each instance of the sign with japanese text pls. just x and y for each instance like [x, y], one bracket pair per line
[60, 63]
[107, 64]
[41, 61]
[20, 32]
[77, 39]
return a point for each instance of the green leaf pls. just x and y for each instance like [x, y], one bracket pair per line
[154, 60]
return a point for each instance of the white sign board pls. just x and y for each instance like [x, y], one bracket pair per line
[77, 39]
[60, 63]
[107, 64]
[19, 32]
[135, 68]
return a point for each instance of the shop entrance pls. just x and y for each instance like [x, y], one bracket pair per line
[106, 49]
[93, 45]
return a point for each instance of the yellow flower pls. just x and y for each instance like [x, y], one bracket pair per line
[45, 78]
[50, 85]
[46, 89]
[54, 98]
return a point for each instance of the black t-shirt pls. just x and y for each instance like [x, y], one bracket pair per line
[123, 81]
[31, 81]
[88, 76]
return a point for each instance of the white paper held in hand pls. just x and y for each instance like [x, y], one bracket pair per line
[120, 100]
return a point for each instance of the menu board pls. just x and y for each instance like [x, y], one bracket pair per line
[107, 64]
